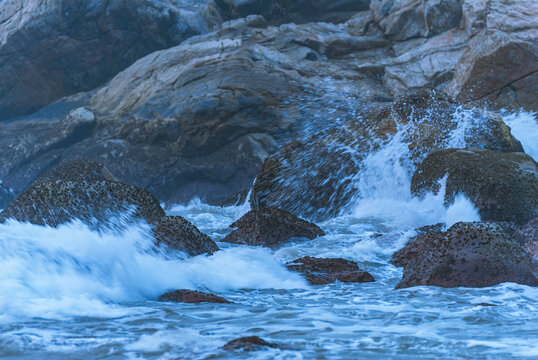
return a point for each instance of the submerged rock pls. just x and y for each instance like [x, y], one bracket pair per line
[271, 227]
[316, 177]
[503, 186]
[325, 271]
[468, 254]
[249, 343]
[191, 297]
[177, 233]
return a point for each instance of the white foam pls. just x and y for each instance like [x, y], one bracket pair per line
[524, 125]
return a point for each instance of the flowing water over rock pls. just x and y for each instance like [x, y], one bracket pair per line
[71, 292]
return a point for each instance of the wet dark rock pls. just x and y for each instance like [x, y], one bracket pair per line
[249, 343]
[271, 227]
[191, 297]
[468, 254]
[325, 271]
[6, 196]
[177, 233]
[528, 236]
[315, 177]
[486, 305]
[79, 170]
[503, 186]
[51, 49]
[298, 11]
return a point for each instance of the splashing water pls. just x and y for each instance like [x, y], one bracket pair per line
[71, 292]
[524, 125]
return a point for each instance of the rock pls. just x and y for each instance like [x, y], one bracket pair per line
[499, 69]
[502, 185]
[177, 233]
[317, 177]
[51, 49]
[325, 271]
[189, 121]
[6, 196]
[249, 343]
[271, 227]
[56, 202]
[528, 232]
[468, 254]
[486, 305]
[407, 19]
[298, 12]
[79, 170]
[191, 297]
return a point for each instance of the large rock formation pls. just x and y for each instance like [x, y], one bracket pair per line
[467, 254]
[503, 186]
[317, 176]
[271, 227]
[50, 49]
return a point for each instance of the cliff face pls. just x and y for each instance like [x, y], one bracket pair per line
[172, 99]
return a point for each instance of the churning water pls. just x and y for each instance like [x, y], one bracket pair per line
[74, 293]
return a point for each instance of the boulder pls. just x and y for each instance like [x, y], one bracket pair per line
[499, 69]
[271, 227]
[179, 234]
[502, 185]
[407, 19]
[249, 343]
[326, 271]
[317, 177]
[191, 297]
[468, 254]
[298, 11]
[51, 49]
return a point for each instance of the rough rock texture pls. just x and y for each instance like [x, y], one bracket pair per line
[53, 48]
[298, 11]
[177, 233]
[407, 19]
[55, 202]
[528, 236]
[325, 271]
[192, 297]
[316, 177]
[271, 227]
[503, 186]
[500, 69]
[189, 120]
[249, 343]
[467, 254]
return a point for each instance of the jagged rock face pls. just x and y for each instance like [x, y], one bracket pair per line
[177, 233]
[298, 11]
[408, 19]
[192, 297]
[503, 186]
[467, 254]
[498, 69]
[52, 48]
[271, 227]
[316, 177]
[326, 271]
[189, 121]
